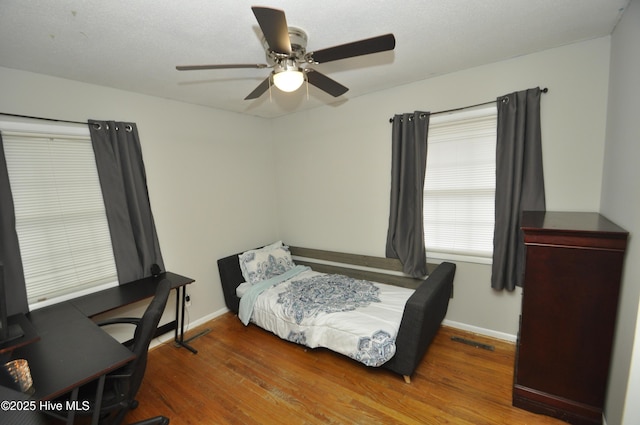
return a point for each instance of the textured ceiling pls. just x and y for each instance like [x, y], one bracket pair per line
[135, 45]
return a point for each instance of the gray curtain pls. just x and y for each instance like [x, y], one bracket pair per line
[405, 237]
[124, 188]
[15, 288]
[519, 182]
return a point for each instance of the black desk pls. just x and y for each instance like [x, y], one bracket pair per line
[129, 293]
[71, 352]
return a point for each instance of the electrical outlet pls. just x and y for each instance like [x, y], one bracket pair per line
[187, 300]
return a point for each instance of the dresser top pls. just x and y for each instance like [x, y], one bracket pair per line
[569, 222]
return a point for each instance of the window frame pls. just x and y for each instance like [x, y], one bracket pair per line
[42, 130]
[488, 112]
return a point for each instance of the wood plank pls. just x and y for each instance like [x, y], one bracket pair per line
[245, 375]
[392, 264]
[404, 281]
[318, 260]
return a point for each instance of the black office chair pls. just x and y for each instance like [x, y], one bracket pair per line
[121, 386]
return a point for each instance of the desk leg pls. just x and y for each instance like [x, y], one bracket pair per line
[98, 406]
[181, 295]
[71, 414]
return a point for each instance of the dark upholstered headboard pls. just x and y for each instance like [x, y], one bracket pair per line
[231, 277]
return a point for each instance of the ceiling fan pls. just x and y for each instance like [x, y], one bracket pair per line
[286, 53]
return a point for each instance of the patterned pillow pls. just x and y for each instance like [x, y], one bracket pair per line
[264, 263]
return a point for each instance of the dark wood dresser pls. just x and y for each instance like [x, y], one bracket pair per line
[569, 307]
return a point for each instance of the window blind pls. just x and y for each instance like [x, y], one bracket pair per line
[459, 189]
[60, 216]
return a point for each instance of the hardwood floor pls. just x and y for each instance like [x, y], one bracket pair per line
[245, 375]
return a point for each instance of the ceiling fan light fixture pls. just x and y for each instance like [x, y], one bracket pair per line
[288, 77]
[288, 81]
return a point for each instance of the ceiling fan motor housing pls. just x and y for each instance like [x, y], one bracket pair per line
[298, 38]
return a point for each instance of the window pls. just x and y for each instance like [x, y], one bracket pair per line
[60, 216]
[459, 187]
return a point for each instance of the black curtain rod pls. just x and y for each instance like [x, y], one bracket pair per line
[43, 119]
[544, 90]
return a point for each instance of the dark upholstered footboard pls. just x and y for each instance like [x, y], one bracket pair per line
[421, 320]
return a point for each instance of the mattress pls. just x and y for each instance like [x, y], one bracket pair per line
[356, 318]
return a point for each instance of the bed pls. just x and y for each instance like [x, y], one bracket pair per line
[383, 295]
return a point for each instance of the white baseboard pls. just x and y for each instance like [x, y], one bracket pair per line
[481, 331]
[201, 321]
[205, 319]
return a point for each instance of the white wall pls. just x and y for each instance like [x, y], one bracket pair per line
[621, 203]
[322, 179]
[334, 162]
[208, 171]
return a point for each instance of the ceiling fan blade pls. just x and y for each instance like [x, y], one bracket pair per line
[325, 83]
[228, 66]
[357, 48]
[263, 87]
[273, 24]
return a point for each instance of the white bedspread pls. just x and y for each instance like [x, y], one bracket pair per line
[356, 318]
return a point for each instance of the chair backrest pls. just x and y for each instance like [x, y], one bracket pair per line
[144, 333]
